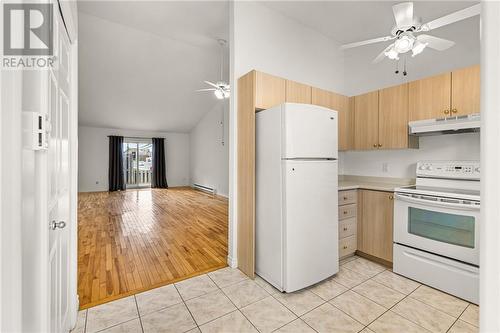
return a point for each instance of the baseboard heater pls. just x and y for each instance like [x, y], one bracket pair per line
[204, 188]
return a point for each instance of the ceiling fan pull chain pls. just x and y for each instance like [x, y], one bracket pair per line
[404, 69]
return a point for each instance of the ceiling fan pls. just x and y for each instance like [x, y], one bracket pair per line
[220, 88]
[408, 26]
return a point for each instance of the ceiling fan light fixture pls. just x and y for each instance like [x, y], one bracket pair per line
[404, 43]
[392, 54]
[418, 48]
[219, 94]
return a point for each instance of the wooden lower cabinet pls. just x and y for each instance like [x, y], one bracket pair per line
[375, 223]
[347, 223]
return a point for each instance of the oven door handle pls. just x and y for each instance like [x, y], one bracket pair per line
[437, 203]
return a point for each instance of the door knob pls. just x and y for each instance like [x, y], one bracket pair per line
[54, 225]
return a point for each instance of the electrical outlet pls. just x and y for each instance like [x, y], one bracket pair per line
[385, 167]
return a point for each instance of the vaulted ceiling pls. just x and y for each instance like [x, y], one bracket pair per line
[140, 62]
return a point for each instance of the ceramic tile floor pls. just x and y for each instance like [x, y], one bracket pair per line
[363, 297]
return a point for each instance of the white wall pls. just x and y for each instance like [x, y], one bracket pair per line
[209, 153]
[401, 163]
[268, 41]
[93, 155]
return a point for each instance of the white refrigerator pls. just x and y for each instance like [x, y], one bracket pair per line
[296, 223]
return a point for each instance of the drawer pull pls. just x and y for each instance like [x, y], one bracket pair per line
[345, 212]
[345, 229]
[345, 198]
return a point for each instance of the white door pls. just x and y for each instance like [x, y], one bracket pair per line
[59, 180]
[310, 131]
[311, 222]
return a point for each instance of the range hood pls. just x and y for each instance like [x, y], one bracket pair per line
[450, 125]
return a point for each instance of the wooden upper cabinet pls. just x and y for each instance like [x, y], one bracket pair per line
[465, 91]
[298, 93]
[269, 90]
[366, 121]
[375, 223]
[430, 97]
[341, 104]
[321, 97]
[393, 117]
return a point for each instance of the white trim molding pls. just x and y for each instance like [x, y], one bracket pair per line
[489, 285]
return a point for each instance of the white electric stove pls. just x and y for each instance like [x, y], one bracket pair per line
[436, 227]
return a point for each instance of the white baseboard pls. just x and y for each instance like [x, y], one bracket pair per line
[232, 262]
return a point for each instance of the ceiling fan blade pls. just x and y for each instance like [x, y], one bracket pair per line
[381, 56]
[403, 14]
[208, 89]
[452, 18]
[211, 84]
[436, 43]
[366, 42]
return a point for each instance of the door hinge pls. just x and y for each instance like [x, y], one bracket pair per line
[35, 131]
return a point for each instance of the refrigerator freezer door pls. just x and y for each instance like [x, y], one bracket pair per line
[311, 222]
[309, 131]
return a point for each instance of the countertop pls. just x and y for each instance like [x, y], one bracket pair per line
[349, 182]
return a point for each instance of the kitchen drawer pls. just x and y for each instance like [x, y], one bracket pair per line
[348, 197]
[347, 211]
[347, 227]
[347, 246]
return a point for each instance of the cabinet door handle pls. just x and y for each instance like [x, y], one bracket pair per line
[391, 197]
[375, 145]
[379, 145]
[446, 111]
[454, 111]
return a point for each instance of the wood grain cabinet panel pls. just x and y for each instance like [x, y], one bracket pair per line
[298, 93]
[430, 97]
[341, 104]
[269, 90]
[246, 173]
[375, 223]
[465, 91]
[366, 121]
[393, 117]
[321, 97]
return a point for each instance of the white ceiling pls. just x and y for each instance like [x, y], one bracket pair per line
[351, 21]
[141, 62]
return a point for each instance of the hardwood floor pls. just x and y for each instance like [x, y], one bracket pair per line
[136, 240]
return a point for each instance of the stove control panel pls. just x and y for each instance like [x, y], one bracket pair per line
[449, 169]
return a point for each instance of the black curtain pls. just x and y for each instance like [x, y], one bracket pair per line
[116, 180]
[159, 176]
